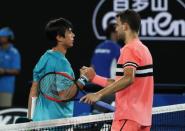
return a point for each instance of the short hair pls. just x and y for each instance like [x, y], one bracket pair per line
[111, 28]
[132, 18]
[57, 27]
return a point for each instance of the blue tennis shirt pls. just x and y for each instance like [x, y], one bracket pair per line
[9, 59]
[52, 61]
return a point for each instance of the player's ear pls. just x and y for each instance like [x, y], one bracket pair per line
[59, 38]
[125, 26]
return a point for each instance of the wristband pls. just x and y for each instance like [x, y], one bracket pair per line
[83, 80]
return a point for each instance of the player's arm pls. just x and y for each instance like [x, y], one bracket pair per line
[110, 81]
[33, 93]
[90, 73]
[36, 77]
[125, 81]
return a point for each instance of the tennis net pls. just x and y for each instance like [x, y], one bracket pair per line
[165, 118]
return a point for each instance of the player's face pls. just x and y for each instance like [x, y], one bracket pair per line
[69, 38]
[120, 29]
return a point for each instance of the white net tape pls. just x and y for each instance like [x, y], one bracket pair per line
[82, 119]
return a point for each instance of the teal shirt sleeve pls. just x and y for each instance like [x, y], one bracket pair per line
[39, 67]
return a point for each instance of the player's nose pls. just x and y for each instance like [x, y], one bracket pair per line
[73, 34]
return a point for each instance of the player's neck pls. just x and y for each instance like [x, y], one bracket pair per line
[130, 37]
[61, 49]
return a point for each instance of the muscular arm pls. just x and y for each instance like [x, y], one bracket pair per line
[125, 81]
[33, 93]
[110, 81]
[90, 73]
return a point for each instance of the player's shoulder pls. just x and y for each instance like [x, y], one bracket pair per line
[55, 55]
[127, 47]
[49, 54]
[45, 58]
[128, 50]
[135, 46]
[46, 55]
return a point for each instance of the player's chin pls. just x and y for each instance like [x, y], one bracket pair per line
[70, 45]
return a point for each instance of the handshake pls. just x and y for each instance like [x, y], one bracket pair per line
[87, 72]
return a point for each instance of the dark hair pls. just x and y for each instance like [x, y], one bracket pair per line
[132, 18]
[110, 29]
[57, 27]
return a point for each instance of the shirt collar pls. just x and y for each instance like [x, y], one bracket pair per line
[56, 54]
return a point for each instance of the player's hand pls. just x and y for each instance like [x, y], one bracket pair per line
[89, 72]
[91, 98]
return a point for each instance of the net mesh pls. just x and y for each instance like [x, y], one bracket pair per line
[165, 118]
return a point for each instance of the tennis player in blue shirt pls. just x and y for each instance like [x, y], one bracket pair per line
[59, 32]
